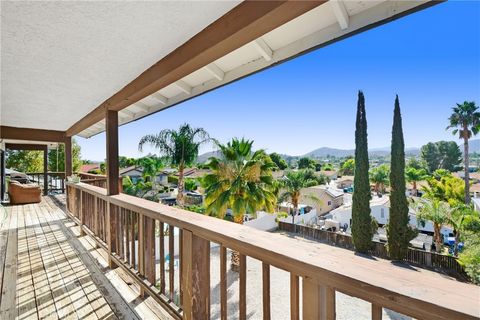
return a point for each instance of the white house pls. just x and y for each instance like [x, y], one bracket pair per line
[380, 211]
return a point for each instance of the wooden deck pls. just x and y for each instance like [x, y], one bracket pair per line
[47, 271]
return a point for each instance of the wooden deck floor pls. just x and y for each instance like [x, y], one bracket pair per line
[47, 271]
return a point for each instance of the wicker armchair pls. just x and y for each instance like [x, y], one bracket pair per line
[24, 193]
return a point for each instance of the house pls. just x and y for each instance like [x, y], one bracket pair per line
[330, 174]
[89, 167]
[380, 211]
[420, 185]
[135, 173]
[329, 198]
[474, 176]
[345, 182]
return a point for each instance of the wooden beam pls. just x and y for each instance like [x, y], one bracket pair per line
[263, 48]
[215, 71]
[183, 86]
[25, 146]
[112, 152]
[31, 134]
[340, 13]
[68, 157]
[241, 25]
[160, 98]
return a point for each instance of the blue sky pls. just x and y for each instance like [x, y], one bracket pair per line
[431, 59]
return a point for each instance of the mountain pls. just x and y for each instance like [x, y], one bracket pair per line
[205, 156]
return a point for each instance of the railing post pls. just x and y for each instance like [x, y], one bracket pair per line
[81, 213]
[45, 171]
[196, 276]
[318, 300]
[68, 156]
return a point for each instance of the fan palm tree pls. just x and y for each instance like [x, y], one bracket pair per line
[151, 167]
[292, 184]
[436, 211]
[180, 147]
[415, 175]
[241, 180]
[465, 121]
[380, 177]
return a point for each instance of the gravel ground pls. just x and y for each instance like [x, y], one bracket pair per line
[346, 307]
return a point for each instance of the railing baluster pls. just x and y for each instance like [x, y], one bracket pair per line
[266, 290]
[223, 282]
[141, 248]
[81, 213]
[318, 300]
[150, 249]
[171, 261]
[133, 217]
[376, 312]
[180, 266]
[294, 297]
[162, 257]
[127, 237]
[243, 287]
[196, 280]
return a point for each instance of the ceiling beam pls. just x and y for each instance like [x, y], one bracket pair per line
[25, 146]
[215, 71]
[31, 134]
[128, 113]
[183, 86]
[340, 13]
[161, 98]
[263, 48]
[241, 25]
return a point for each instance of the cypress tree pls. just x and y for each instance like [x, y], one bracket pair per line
[399, 232]
[362, 222]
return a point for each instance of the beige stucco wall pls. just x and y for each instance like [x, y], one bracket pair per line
[324, 197]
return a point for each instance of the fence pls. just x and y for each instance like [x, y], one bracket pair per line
[434, 260]
[56, 180]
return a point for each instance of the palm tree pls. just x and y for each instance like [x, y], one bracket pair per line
[151, 167]
[460, 216]
[465, 120]
[241, 180]
[380, 177]
[413, 176]
[436, 211]
[292, 184]
[180, 148]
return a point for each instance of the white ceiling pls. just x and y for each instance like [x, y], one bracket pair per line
[60, 60]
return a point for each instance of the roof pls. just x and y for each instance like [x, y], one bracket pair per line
[475, 187]
[71, 67]
[129, 169]
[346, 178]
[88, 167]
[194, 173]
[328, 173]
[334, 193]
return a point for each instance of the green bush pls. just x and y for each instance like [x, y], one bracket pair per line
[281, 215]
[173, 179]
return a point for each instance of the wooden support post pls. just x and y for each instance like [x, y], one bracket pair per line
[376, 312]
[196, 276]
[45, 171]
[111, 119]
[318, 300]
[112, 152]
[2, 175]
[68, 157]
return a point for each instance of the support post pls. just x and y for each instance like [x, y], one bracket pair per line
[195, 276]
[68, 157]
[2, 175]
[45, 171]
[111, 119]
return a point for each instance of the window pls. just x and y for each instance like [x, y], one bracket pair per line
[382, 213]
[329, 203]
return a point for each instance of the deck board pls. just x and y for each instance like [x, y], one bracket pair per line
[46, 271]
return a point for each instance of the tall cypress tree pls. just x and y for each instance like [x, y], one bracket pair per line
[399, 232]
[362, 222]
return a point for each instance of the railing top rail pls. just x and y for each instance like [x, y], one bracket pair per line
[415, 292]
[93, 175]
[49, 172]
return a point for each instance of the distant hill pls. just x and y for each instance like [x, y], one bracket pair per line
[473, 145]
[205, 156]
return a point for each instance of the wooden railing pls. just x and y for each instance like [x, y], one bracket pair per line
[422, 258]
[56, 180]
[98, 180]
[131, 228]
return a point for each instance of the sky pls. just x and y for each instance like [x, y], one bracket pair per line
[431, 59]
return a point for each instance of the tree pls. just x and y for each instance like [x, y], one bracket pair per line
[180, 147]
[292, 185]
[124, 162]
[190, 184]
[241, 180]
[431, 156]
[414, 175]
[470, 256]
[465, 121]
[279, 161]
[306, 163]
[56, 158]
[399, 232]
[24, 161]
[363, 226]
[437, 212]
[460, 219]
[441, 155]
[445, 188]
[379, 176]
[347, 168]
[415, 163]
[327, 167]
[151, 167]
